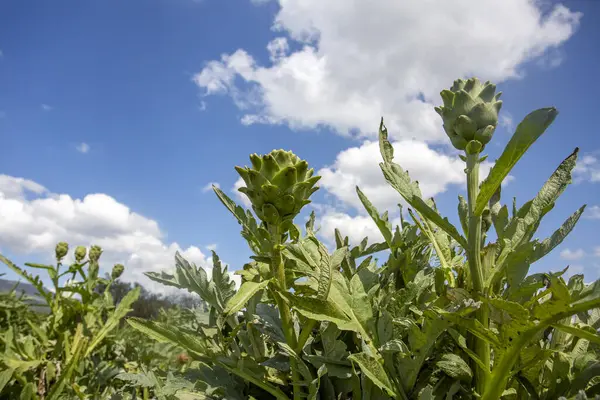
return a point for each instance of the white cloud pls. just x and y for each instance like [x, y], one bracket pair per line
[239, 195]
[592, 212]
[362, 59]
[211, 247]
[83, 148]
[46, 107]
[355, 227]
[433, 170]
[587, 169]
[572, 255]
[33, 220]
[202, 106]
[209, 187]
[506, 120]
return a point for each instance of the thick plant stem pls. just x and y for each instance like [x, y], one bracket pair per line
[482, 348]
[305, 334]
[277, 268]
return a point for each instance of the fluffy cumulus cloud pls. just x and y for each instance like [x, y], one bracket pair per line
[592, 212]
[359, 166]
[33, 220]
[572, 255]
[343, 64]
[241, 197]
[587, 169]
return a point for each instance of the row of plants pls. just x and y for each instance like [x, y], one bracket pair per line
[451, 313]
[71, 341]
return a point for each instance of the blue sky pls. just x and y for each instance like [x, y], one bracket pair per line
[141, 104]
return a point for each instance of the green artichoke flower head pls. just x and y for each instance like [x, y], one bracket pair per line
[95, 253]
[80, 253]
[117, 271]
[470, 112]
[61, 250]
[278, 185]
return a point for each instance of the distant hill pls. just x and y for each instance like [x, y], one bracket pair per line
[23, 287]
[28, 289]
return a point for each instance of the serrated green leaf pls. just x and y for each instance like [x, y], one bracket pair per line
[319, 310]
[77, 349]
[531, 213]
[515, 310]
[473, 326]
[27, 391]
[590, 335]
[455, 367]
[394, 346]
[383, 224]
[243, 295]
[171, 334]
[373, 369]
[527, 132]
[113, 321]
[409, 190]
[5, 377]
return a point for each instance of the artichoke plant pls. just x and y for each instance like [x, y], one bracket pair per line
[278, 185]
[470, 112]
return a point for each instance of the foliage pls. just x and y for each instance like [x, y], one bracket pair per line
[68, 353]
[451, 312]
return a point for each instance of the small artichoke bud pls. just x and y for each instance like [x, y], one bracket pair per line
[117, 271]
[278, 185]
[61, 250]
[470, 112]
[95, 253]
[80, 253]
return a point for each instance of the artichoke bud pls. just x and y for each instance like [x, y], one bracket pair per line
[95, 253]
[80, 253]
[61, 250]
[470, 111]
[117, 271]
[278, 185]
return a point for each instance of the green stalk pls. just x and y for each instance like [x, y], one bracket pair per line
[305, 334]
[277, 268]
[482, 348]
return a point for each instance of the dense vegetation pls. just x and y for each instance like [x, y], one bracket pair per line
[452, 313]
